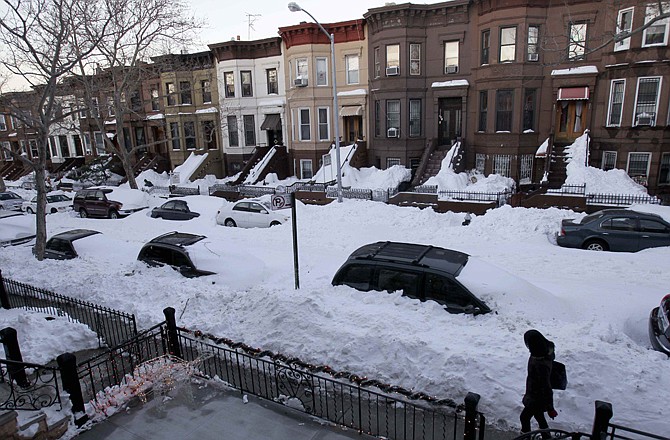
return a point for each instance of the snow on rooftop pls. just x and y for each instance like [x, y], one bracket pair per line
[357, 92]
[155, 116]
[206, 110]
[452, 83]
[575, 71]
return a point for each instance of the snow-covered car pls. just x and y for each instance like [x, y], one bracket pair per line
[55, 203]
[251, 213]
[88, 244]
[16, 228]
[62, 246]
[659, 326]
[10, 201]
[192, 255]
[174, 210]
[109, 202]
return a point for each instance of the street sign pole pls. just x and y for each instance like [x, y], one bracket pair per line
[294, 222]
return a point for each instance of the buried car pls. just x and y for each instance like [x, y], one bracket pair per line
[55, 203]
[190, 254]
[10, 201]
[174, 210]
[16, 228]
[62, 246]
[109, 202]
[659, 326]
[623, 230]
[250, 214]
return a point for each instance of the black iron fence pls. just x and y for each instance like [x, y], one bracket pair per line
[568, 189]
[621, 199]
[27, 386]
[501, 197]
[621, 432]
[112, 326]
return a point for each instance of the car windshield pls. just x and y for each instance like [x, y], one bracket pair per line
[591, 217]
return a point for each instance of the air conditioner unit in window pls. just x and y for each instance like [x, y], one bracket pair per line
[533, 57]
[392, 71]
[393, 132]
[645, 119]
[300, 82]
[451, 69]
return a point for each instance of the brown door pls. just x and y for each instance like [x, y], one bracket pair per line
[353, 129]
[571, 117]
[449, 120]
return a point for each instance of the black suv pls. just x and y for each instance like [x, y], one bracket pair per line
[419, 271]
[174, 249]
[61, 246]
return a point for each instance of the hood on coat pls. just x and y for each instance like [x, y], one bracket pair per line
[537, 344]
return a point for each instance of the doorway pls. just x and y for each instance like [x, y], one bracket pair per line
[449, 120]
[353, 129]
[571, 117]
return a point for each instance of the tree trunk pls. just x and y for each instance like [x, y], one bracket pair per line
[3, 188]
[41, 218]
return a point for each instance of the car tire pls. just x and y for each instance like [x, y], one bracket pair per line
[596, 245]
[113, 214]
[275, 223]
[230, 223]
[83, 213]
[29, 210]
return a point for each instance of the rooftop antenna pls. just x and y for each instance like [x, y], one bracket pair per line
[251, 19]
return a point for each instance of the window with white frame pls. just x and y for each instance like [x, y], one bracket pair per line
[393, 55]
[502, 164]
[485, 47]
[245, 82]
[616, 102]
[189, 135]
[577, 41]
[273, 82]
[174, 136]
[249, 130]
[533, 44]
[229, 84]
[377, 61]
[415, 59]
[100, 143]
[324, 128]
[664, 170]
[646, 101]
[351, 64]
[392, 117]
[321, 71]
[6, 148]
[306, 169]
[3, 123]
[624, 24]
[480, 162]
[110, 106]
[233, 133]
[303, 121]
[206, 91]
[657, 33]
[638, 167]
[609, 160]
[185, 95]
[414, 117]
[451, 57]
[507, 51]
[88, 147]
[170, 93]
[33, 148]
[526, 168]
[392, 161]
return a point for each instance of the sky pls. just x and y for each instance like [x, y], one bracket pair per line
[593, 305]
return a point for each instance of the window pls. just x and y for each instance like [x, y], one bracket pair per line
[174, 135]
[110, 106]
[351, 64]
[392, 116]
[304, 132]
[206, 88]
[577, 41]
[533, 48]
[378, 115]
[415, 59]
[529, 98]
[486, 45]
[139, 136]
[155, 104]
[3, 123]
[6, 148]
[321, 71]
[33, 148]
[229, 84]
[502, 164]
[273, 83]
[301, 71]
[652, 227]
[507, 45]
[100, 143]
[657, 33]
[245, 80]
[392, 161]
[135, 100]
[414, 117]
[395, 280]
[664, 171]
[616, 102]
[306, 169]
[324, 129]
[609, 160]
[526, 170]
[504, 106]
[233, 136]
[480, 162]
[624, 24]
[378, 66]
[170, 94]
[638, 167]
[393, 55]
[185, 92]
[189, 135]
[209, 134]
[451, 57]
[646, 101]
[249, 130]
[483, 109]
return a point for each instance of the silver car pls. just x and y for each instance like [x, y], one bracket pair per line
[10, 201]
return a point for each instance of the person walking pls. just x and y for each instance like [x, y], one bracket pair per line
[539, 397]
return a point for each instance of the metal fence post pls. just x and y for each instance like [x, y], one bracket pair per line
[470, 429]
[601, 420]
[67, 363]
[17, 373]
[173, 337]
[4, 298]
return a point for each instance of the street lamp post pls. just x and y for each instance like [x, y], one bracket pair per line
[293, 7]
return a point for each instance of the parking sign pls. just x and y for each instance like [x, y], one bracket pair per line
[281, 201]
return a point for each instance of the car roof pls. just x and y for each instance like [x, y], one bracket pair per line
[624, 211]
[75, 234]
[178, 238]
[433, 257]
[4, 213]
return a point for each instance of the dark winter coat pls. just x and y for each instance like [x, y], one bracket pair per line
[538, 384]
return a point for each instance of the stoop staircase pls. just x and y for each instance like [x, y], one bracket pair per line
[434, 164]
[557, 165]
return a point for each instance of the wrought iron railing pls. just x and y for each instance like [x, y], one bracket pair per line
[621, 199]
[622, 432]
[112, 326]
[425, 189]
[568, 189]
[498, 197]
[350, 193]
[27, 386]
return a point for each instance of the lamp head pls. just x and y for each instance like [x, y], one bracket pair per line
[294, 7]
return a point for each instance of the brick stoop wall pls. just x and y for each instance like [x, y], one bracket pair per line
[11, 430]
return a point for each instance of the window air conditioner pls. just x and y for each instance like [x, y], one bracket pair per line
[451, 69]
[393, 132]
[533, 57]
[645, 119]
[300, 82]
[392, 71]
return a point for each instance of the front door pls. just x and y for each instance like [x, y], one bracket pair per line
[571, 117]
[449, 120]
[353, 129]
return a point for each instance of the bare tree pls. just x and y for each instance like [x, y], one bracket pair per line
[138, 30]
[37, 37]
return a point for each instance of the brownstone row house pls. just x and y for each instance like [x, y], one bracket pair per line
[501, 78]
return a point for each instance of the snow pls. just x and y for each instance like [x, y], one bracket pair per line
[575, 70]
[372, 178]
[207, 110]
[356, 92]
[129, 198]
[328, 173]
[542, 149]
[593, 305]
[452, 83]
[189, 166]
[259, 167]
